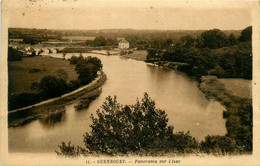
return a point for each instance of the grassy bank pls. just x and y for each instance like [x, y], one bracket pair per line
[137, 55]
[238, 114]
[238, 87]
[56, 105]
[22, 74]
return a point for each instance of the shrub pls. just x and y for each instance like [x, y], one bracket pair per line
[219, 144]
[68, 150]
[34, 70]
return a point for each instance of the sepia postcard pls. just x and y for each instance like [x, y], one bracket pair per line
[127, 82]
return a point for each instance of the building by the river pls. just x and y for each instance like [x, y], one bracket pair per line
[123, 44]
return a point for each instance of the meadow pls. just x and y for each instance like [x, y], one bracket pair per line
[238, 87]
[138, 55]
[32, 69]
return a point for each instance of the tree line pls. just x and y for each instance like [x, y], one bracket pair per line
[102, 41]
[212, 53]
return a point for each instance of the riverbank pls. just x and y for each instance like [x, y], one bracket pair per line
[55, 105]
[238, 113]
[137, 55]
[171, 65]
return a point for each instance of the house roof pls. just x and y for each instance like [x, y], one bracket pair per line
[123, 41]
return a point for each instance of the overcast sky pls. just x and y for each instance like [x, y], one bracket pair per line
[162, 16]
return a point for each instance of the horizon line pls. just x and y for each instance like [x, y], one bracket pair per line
[126, 29]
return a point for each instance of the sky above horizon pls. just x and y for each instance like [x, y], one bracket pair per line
[151, 16]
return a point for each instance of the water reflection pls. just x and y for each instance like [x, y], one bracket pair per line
[52, 120]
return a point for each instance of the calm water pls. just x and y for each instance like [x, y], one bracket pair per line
[175, 92]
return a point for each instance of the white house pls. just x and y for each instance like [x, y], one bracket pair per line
[123, 44]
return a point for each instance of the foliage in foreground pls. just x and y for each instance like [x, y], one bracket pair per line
[124, 129]
[142, 129]
[135, 129]
[69, 150]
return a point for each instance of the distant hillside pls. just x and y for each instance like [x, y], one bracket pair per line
[109, 33]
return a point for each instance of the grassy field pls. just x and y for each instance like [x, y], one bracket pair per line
[238, 87]
[20, 77]
[137, 55]
[56, 105]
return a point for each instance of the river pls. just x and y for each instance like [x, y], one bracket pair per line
[173, 91]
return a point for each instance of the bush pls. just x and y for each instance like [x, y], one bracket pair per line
[69, 150]
[219, 145]
[34, 70]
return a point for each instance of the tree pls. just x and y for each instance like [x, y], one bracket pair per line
[51, 86]
[93, 60]
[74, 60]
[22, 99]
[14, 54]
[86, 67]
[212, 39]
[29, 40]
[99, 41]
[187, 41]
[232, 40]
[246, 34]
[152, 53]
[133, 129]
[86, 72]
